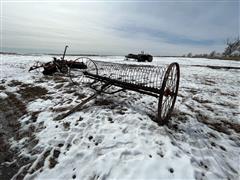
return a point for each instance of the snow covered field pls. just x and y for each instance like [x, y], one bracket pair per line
[113, 136]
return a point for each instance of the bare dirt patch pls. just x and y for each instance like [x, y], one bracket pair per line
[217, 67]
[11, 109]
[220, 126]
[29, 92]
[2, 87]
[103, 102]
[14, 83]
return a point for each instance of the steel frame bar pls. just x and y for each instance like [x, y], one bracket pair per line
[144, 90]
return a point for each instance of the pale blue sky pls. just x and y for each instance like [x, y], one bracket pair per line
[160, 28]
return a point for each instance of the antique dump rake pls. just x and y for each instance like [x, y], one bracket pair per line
[158, 81]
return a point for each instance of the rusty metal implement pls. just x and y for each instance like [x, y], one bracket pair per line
[158, 81]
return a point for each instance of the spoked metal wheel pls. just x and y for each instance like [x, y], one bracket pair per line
[168, 93]
[78, 69]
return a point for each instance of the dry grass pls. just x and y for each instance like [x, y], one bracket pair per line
[233, 58]
[103, 102]
[219, 125]
[2, 87]
[11, 109]
[14, 83]
[29, 93]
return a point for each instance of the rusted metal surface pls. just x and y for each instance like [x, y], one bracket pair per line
[57, 65]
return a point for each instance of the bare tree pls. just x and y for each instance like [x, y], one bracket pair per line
[233, 47]
[212, 54]
[189, 55]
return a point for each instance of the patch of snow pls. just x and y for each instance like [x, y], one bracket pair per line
[39, 105]
[3, 95]
[118, 139]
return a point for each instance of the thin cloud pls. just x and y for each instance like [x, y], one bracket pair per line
[120, 28]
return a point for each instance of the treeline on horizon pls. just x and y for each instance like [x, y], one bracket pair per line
[231, 52]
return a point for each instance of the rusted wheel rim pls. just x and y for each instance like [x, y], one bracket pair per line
[77, 75]
[168, 93]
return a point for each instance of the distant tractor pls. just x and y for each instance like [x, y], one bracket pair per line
[140, 57]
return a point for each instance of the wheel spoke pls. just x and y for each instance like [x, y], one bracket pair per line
[82, 65]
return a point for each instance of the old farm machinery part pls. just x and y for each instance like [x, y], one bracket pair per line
[158, 81]
[52, 67]
[57, 65]
[140, 57]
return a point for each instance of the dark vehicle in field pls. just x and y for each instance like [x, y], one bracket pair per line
[140, 57]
